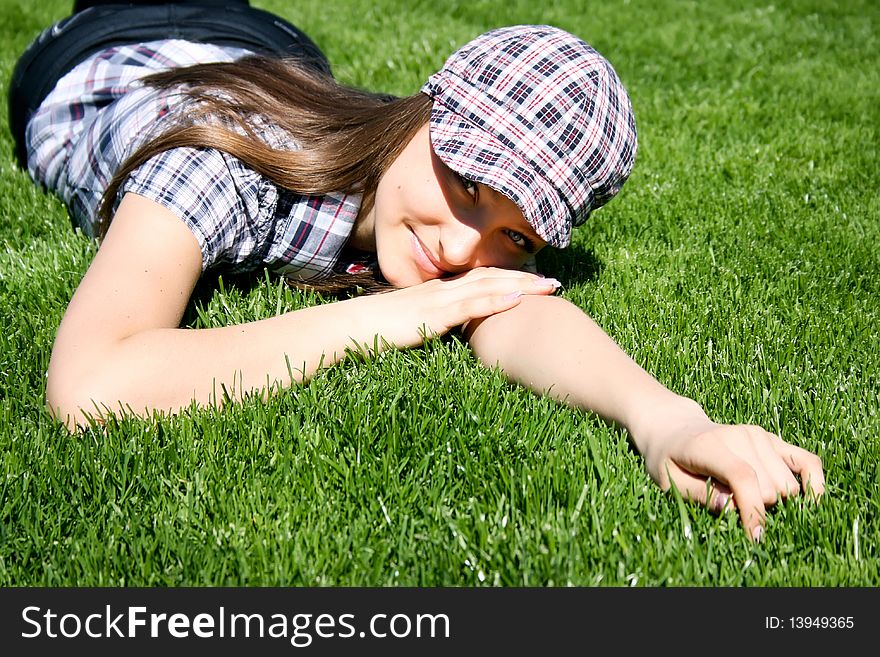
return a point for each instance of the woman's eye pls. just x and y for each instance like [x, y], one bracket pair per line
[469, 185]
[521, 241]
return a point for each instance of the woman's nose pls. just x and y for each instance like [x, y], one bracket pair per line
[459, 243]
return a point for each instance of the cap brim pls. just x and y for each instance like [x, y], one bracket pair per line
[475, 153]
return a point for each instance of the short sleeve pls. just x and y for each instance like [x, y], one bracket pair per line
[228, 206]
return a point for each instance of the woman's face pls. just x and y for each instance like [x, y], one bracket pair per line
[427, 222]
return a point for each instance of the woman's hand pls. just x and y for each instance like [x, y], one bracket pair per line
[552, 347]
[730, 466]
[434, 307]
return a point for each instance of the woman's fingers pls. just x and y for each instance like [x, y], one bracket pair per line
[806, 465]
[485, 293]
[491, 272]
[756, 447]
[705, 456]
[720, 497]
[434, 307]
[746, 489]
[781, 464]
[748, 468]
[489, 277]
[781, 481]
[715, 495]
[709, 455]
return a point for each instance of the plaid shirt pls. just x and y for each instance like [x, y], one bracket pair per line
[99, 113]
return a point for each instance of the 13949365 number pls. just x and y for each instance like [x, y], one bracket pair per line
[820, 622]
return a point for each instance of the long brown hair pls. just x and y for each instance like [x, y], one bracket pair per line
[346, 137]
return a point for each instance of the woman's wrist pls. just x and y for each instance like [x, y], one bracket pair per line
[655, 423]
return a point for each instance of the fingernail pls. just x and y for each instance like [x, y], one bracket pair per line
[548, 282]
[721, 503]
[758, 533]
[513, 295]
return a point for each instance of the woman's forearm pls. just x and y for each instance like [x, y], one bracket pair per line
[552, 347]
[166, 368]
[169, 368]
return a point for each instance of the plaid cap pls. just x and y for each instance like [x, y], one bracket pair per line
[540, 116]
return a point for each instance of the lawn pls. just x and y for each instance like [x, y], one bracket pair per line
[739, 266]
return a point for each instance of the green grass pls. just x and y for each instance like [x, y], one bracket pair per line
[739, 265]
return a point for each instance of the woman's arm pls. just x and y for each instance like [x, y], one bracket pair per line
[119, 346]
[553, 347]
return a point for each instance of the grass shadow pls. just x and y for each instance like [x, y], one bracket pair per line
[574, 264]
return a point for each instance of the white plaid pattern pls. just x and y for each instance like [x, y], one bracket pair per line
[99, 113]
[540, 116]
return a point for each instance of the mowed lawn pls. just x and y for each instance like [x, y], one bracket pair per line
[739, 265]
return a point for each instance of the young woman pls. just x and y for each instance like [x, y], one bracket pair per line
[230, 147]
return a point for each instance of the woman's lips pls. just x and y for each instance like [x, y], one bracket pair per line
[423, 259]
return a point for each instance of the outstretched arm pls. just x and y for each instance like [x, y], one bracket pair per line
[119, 346]
[553, 347]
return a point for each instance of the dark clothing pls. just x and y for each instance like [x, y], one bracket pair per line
[97, 25]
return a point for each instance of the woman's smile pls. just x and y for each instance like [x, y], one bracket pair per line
[423, 258]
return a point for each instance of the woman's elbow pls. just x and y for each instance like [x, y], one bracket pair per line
[73, 401]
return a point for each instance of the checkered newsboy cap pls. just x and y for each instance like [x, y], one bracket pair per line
[538, 115]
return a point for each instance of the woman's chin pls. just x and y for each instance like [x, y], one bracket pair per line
[399, 274]
[398, 278]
